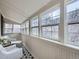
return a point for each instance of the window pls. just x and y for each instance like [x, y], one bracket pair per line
[73, 22]
[34, 22]
[49, 24]
[46, 32]
[34, 26]
[16, 28]
[11, 28]
[23, 28]
[54, 32]
[27, 27]
[7, 28]
[34, 31]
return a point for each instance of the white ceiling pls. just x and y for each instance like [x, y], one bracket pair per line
[20, 10]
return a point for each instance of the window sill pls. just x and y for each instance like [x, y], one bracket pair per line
[59, 43]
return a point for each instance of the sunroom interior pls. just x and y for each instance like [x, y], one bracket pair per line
[39, 29]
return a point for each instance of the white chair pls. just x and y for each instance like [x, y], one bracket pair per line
[10, 47]
[15, 53]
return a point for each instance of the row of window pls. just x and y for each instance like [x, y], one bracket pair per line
[11, 28]
[47, 26]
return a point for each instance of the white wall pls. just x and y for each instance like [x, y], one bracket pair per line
[43, 49]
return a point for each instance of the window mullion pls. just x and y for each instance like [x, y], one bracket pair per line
[39, 26]
[63, 22]
[29, 27]
[12, 27]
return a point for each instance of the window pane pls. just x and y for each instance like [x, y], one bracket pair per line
[73, 23]
[51, 18]
[56, 12]
[73, 31]
[34, 31]
[50, 23]
[8, 25]
[46, 32]
[27, 24]
[16, 26]
[23, 28]
[55, 32]
[34, 22]
[7, 28]
[73, 6]
[56, 16]
[73, 16]
[16, 29]
[46, 19]
[27, 27]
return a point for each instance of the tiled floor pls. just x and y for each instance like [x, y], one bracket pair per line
[26, 53]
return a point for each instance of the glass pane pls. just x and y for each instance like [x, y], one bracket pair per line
[16, 29]
[73, 32]
[7, 25]
[27, 27]
[34, 22]
[34, 31]
[56, 12]
[27, 24]
[73, 6]
[16, 26]
[73, 16]
[51, 18]
[7, 30]
[73, 23]
[46, 19]
[23, 29]
[55, 32]
[46, 32]
[50, 32]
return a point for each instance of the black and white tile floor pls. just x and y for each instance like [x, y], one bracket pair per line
[26, 53]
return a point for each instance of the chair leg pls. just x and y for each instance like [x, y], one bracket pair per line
[22, 57]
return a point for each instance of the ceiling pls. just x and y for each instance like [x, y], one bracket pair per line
[20, 10]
